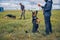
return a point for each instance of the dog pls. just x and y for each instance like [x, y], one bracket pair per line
[10, 16]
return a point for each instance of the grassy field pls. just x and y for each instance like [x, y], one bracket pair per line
[14, 29]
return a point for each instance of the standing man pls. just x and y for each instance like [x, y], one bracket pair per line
[47, 15]
[22, 10]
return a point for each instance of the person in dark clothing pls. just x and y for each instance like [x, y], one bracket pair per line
[35, 22]
[22, 10]
[47, 15]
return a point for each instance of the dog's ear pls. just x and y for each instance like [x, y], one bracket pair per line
[36, 11]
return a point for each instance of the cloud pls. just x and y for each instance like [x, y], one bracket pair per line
[8, 4]
[5, 4]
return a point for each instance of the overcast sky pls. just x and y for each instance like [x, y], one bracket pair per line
[29, 4]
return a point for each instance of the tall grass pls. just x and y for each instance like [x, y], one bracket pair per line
[14, 29]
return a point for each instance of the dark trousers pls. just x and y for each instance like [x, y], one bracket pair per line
[35, 27]
[23, 14]
[48, 24]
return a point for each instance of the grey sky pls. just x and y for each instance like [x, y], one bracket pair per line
[13, 4]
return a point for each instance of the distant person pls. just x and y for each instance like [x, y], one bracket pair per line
[47, 15]
[35, 22]
[22, 11]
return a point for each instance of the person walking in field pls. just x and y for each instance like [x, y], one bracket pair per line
[22, 10]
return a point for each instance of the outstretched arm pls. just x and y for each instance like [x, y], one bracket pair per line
[39, 5]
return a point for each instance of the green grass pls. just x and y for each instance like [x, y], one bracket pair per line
[14, 29]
